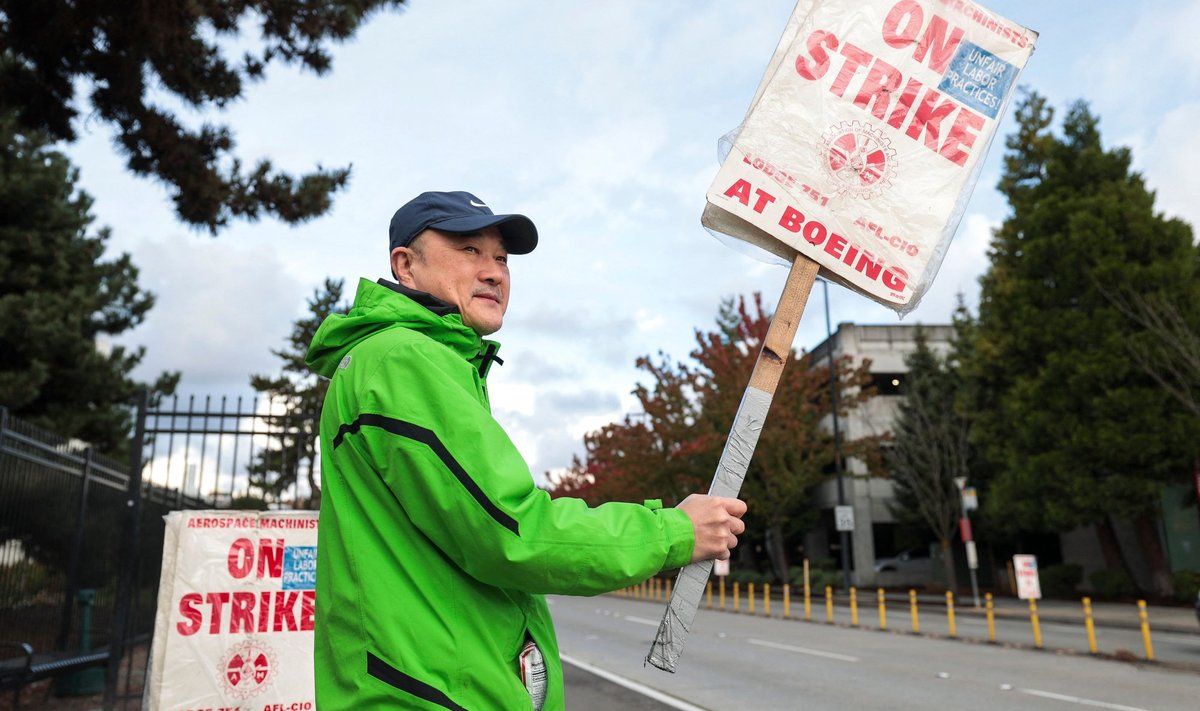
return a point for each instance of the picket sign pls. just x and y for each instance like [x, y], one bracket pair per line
[861, 147]
[234, 625]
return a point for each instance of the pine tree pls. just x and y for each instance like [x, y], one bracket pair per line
[126, 52]
[930, 448]
[60, 300]
[1073, 431]
[301, 393]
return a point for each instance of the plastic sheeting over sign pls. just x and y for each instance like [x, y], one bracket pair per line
[234, 627]
[866, 137]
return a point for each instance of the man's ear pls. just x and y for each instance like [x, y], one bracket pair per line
[402, 260]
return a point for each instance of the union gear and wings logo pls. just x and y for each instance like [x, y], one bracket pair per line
[247, 668]
[860, 159]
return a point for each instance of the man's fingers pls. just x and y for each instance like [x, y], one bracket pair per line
[735, 507]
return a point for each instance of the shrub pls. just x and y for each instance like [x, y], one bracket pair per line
[821, 572]
[745, 577]
[1112, 584]
[1187, 585]
[1060, 580]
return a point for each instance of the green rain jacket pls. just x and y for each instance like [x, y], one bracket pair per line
[435, 547]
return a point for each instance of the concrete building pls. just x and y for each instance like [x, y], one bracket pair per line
[874, 525]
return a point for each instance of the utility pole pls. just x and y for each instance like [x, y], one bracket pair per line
[967, 536]
[843, 528]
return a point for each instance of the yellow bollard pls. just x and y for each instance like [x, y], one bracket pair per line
[722, 595]
[1033, 620]
[882, 609]
[737, 604]
[1089, 624]
[766, 599]
[787, 601]
[912, 603]
[669, 583]
[807, 593]
[1145, 620]
[991, 618]
[829, 604]
[708, 593]
[853, 606]
[950, 614]
[750, 597]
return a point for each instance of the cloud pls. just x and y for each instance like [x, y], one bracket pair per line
[218, 312]
[1170, 163]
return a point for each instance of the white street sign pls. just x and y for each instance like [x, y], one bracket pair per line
[844, 517]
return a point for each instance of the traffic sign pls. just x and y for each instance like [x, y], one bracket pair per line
[844, 517]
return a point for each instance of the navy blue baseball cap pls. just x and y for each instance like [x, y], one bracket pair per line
[458, 212]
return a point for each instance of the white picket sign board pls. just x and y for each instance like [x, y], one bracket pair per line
[235, 612]
[866, 137]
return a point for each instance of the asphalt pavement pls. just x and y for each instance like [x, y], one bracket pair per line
[742, 661]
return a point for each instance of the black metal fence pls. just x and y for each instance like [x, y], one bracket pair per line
[230, 450]
[72, 519]
[60, 523]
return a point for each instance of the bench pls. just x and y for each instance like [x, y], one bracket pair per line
[25, 666]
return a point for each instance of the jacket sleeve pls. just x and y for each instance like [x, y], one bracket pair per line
[462, 482]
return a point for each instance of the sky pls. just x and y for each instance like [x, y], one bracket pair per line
[600, 122]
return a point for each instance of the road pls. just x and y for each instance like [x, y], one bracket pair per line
[743, 662]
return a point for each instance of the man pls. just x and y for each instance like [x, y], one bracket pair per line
[435, 546]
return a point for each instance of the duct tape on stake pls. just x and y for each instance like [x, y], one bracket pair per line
[689, 585]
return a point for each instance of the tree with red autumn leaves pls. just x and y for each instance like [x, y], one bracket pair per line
[671, 448]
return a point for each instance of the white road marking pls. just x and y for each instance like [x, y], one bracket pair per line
[632, 685]
[642, 620]
[1077, 700]
[803, 650]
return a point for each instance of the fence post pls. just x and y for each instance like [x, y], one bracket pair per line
[72, 586]
[129, 540]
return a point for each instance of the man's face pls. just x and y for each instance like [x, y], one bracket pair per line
[467, 271]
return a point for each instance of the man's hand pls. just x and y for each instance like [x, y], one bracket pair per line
[717, 521]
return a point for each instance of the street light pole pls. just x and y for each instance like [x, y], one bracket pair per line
[844, 536]
[968, 537]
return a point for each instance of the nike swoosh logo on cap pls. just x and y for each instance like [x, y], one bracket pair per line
[477, 204]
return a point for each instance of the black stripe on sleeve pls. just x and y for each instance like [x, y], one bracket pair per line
[430, 439]
[392, 676]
